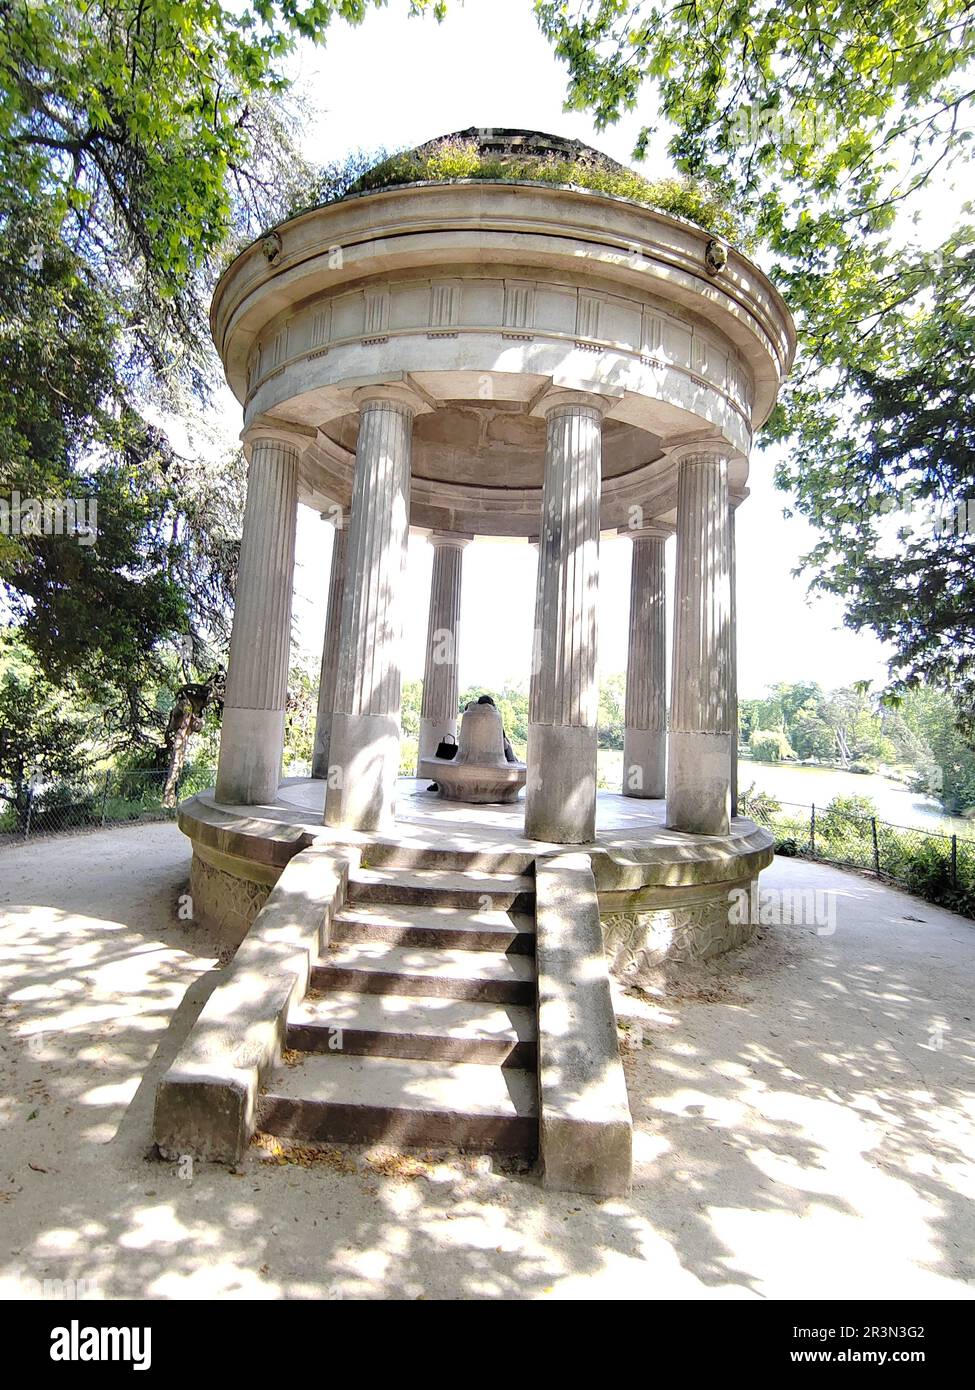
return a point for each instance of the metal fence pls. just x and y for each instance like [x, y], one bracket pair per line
[101, 799]
[935, 866]
[94, 801]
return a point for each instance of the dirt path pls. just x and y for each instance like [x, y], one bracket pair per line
[804, 1111]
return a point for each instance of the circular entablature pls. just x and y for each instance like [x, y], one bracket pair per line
[477, 467]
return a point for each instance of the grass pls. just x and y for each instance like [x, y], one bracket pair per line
[450, 160]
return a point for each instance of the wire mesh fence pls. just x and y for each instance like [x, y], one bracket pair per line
[935, 866]
[93, 801]
[103, 798]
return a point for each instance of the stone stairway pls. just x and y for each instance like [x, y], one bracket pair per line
[419, 1027]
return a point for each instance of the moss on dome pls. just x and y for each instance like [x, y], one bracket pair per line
[522, 157]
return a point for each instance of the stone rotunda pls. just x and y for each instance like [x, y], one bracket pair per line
[469, 359]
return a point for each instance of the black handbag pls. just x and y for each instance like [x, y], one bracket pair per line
[447, 750]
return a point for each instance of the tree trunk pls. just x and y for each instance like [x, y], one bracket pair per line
[185, 719]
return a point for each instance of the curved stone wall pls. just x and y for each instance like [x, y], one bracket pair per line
[660, 904]
[641, 941]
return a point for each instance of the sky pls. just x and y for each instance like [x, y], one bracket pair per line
[394, 82]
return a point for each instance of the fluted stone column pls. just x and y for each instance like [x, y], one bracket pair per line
[645, 737]
[561, 784]
[733, 674]
[330, 651]
[699, 744]
[252, 732]
[365, 735]
[441, 671]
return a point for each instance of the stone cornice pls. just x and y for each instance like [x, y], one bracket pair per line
[622, 246]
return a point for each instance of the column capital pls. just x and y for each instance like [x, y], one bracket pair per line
[460, 540]
[396, 393]
[653, 531]
[706, 451]
[297, 437]
[552, 398]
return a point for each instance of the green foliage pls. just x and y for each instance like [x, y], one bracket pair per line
[770, 746]
[160, 568]
[760, 806]
[844, 834]
[138, 138]
[855, 810]
[153, 131]
[811, 734]
[451, 159]
[928, 873]
[905, 457]
[802, 721]
[612, 711]
[412, 698]
[821, 126]
[41, 739]
[944, 759]
[64, 805]
[301, 709]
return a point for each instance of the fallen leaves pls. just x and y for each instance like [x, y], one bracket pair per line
[276, 1152]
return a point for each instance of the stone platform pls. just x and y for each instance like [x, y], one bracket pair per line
[663, 895]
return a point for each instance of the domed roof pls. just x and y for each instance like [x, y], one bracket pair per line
[504, 142]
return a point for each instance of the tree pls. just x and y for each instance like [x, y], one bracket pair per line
[139, 140]
[770, 746]
[301, 711]
[945, 762]
[884, 491]
[40, 739]
[810, 732]
[153, 131]
[820, 126]
[612, 714]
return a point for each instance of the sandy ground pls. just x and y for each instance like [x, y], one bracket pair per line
[804, 1112]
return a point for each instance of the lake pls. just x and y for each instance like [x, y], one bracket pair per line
[896, 803]
[803, 786]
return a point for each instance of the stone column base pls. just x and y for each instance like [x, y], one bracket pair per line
[560, 798]
[645, 763]
[250, 756]
[698, 783]
[364, 764]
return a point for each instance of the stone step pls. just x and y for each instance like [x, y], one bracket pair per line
[430, 927]
[379, 968]
[440, 888]
[487, 859]
[419, 1026]
[329, 1098]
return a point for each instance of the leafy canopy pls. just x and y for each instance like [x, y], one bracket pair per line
[828, 126]
[137, 138]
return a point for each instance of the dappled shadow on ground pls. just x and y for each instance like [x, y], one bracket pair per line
[802, 1111]
[812, 1123]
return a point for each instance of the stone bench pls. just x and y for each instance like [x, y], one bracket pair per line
[480, 772]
